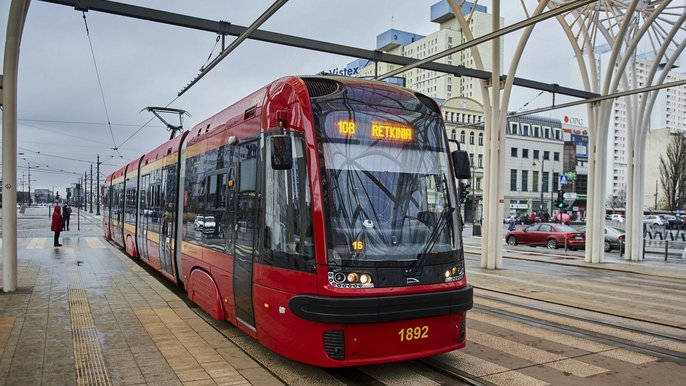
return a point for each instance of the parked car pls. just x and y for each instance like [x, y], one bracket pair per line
[615, 217]
[652, 219]
[682, 220]
[507, 219]
[614, 237]
[547, 234]
[205, 224]
[524, 219]
[671, 222]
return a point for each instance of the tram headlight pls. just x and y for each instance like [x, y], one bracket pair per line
[351, 279]
[454, 273]
[339, 277]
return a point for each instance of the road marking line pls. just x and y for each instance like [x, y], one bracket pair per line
[95, 242]
[488, 371]
[37, 242]
[567, 340]
[542, 357]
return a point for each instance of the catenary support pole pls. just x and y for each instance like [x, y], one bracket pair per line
[90, 198]
[15, 26]
[97, 186]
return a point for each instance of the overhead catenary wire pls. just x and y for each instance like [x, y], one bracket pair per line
[102, 93]
[60, 157]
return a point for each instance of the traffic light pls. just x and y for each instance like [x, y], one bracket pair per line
[464, 192]
[560, 202]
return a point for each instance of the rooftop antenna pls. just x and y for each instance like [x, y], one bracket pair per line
[170, 127]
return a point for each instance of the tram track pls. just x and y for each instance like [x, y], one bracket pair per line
[587, 309]
[595, 336]
[430, 368]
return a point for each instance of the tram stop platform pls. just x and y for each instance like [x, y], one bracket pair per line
[85, 313]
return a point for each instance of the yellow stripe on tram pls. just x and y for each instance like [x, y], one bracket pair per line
[37, 242]
[95, 242]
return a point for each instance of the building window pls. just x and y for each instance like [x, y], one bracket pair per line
[546, 155]
[513, 152]
[481, 139]
[525, 181]
[556, 156]
[537, 132]
[547, 132]
[546, 183]
[556, 179]
[462, 136]
[471, 138]
[525, 153]
[514, 128]
[481, 161]
[525, 130]
[536, 154]
[453, 134]
[534, 187]
[513, 180]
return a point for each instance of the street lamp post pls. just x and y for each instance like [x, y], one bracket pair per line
[473, 194]
[542, 163]
[541, 176]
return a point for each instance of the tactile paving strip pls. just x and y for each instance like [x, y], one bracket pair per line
[90, 365]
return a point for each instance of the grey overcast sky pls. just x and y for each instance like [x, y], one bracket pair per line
[62, 123]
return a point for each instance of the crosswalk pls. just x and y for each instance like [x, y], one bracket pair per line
[46, 242]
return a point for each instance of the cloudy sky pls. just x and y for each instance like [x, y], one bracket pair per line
[62, 119]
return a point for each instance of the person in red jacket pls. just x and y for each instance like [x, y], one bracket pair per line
[57, 225]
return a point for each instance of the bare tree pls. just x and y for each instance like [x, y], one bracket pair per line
[673, 172]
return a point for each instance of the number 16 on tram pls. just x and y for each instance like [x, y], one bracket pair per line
[334, 235]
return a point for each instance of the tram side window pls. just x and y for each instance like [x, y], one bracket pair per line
[194, 200]
[131, 201]
[288, 239]
[106, 201]
[117, 203]
[168, 199]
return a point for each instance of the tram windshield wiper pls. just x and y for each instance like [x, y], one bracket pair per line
[423, 256]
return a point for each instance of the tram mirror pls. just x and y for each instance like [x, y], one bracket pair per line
[282, 152]
[461, 164]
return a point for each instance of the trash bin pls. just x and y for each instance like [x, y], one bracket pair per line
[476, 230]
[22, 209]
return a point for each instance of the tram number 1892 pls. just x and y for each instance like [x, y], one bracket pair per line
[414, 333]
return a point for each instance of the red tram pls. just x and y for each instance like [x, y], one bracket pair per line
[319, 215]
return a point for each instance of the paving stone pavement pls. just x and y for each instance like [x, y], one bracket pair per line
[85, 314]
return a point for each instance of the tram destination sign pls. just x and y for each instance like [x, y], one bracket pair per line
[383, 131]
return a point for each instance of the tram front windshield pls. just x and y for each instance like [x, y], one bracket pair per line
[387, 182]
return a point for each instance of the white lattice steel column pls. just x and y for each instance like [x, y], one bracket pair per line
[622, 25]
[495, 111]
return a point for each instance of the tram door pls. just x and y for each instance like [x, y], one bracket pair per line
[167, 205]
[143, 217]
[245, 204]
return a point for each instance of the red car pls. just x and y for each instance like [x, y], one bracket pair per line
[550, 235]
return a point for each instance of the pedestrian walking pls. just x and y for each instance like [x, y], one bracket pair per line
[57, 225]
[66, 214]
[512, 224]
